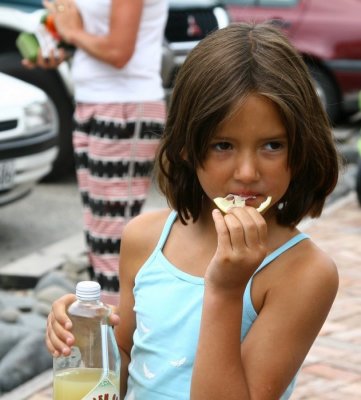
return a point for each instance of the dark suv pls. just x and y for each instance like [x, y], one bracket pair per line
[188, 22]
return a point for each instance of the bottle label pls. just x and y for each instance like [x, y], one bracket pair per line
[104, 390]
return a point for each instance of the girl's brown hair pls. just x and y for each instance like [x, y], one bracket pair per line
[220, 72]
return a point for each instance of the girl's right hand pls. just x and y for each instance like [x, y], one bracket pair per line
[58, 336]
[241, 247]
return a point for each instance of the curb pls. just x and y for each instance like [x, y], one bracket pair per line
[26, 271]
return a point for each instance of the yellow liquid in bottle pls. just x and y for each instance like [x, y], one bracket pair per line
[76, 383]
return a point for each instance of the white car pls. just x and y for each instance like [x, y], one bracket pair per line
[189, 21]
[28, 137]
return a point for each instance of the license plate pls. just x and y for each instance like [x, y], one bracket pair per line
[7, 174]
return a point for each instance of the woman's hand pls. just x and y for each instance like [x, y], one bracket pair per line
[67, 18]
[51, 62]
[58, 336]
[242, 235]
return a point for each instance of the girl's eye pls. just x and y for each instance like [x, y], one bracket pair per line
[274, 146]
[222, 146]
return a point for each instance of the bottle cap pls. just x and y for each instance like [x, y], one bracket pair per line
[88, 291]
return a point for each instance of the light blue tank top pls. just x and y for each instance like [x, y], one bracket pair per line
[168, 306]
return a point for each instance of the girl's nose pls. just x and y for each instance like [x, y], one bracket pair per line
[246, 169]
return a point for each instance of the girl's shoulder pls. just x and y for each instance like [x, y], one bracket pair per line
[304, 268]
[310, 267]
[142, 233]
[310, 257]
[304, 257]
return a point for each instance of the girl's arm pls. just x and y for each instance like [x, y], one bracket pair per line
[117, 47]
[125, 329]
[139, 238]
[293, 311]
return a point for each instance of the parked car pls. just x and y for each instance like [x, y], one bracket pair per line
[28, 132]
[327, 34]
[188, 22]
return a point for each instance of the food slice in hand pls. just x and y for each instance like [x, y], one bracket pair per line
[265, 204]
[225, 203]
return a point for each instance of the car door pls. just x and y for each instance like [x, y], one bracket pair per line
[285, 14]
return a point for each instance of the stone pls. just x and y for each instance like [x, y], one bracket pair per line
[33, 321]
[27, 359]
[43, 308]
[10, 315]
[22, 301]
[50, 293]
[55, 279]
[11, 334]
[76, 265]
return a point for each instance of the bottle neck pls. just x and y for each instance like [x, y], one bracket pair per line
[89, 301]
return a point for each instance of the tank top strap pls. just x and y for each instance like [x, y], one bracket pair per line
[250, 313]
[166, 229]
[290, 243]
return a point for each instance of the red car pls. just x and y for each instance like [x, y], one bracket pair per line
[328, 35]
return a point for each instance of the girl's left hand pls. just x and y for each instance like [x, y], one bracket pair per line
[242, 236]
[67, 18]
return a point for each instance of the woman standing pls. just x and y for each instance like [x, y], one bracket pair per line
[120, 111]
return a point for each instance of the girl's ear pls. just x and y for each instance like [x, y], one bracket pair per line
[184, 154]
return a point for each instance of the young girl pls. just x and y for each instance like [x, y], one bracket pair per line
[226, 306]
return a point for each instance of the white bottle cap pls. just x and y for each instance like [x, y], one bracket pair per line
[88, 291]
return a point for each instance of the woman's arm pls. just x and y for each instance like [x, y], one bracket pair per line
[294, 310]
[117, 47]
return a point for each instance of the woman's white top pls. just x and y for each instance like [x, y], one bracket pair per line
[139, 80]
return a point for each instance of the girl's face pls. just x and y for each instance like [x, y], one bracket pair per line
[248, 154]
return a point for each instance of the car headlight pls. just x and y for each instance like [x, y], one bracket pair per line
[40, 117]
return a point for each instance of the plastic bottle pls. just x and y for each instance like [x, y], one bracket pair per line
[45, 37]
[92, 370]
[49, 21]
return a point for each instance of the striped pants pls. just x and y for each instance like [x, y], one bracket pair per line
[115, 146]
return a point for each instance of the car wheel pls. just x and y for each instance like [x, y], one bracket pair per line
[49, 81]
[327, 92]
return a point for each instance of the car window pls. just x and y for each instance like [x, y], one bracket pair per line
[193, 3]
[277, 3]
[264, 3]
[241, 2]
